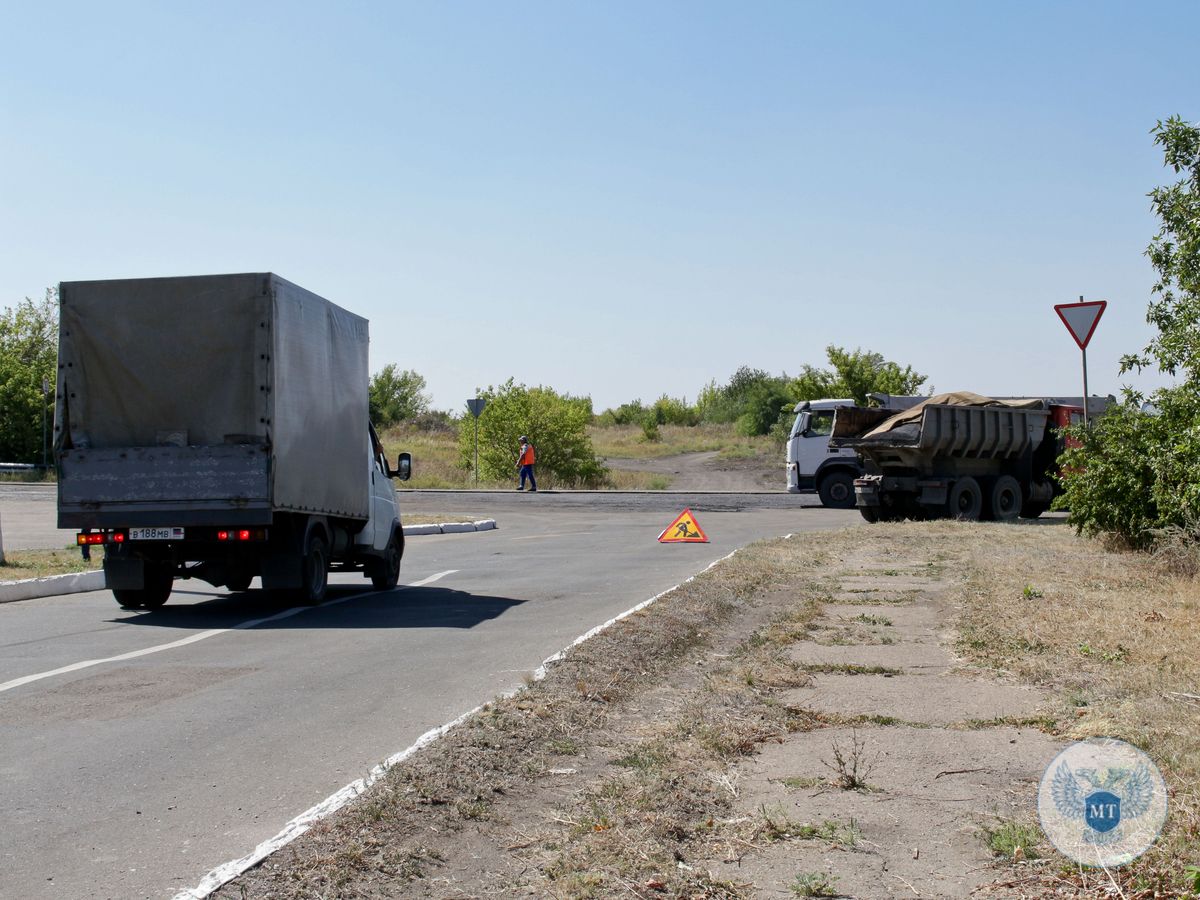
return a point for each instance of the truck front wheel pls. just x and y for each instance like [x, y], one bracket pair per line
[836, 490]
[386, 574]
[314, 570]
[158, 579]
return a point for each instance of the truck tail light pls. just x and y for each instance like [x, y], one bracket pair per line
[100, 537]
[242, 534]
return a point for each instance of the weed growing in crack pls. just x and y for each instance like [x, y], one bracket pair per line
[1013, 840]
[814, 884]
[850, 764]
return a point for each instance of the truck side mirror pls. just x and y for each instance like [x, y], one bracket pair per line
[804, 423]
[403, 469]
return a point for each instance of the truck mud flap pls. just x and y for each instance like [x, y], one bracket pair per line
[125, 573]
[866, 492]
[281, 572]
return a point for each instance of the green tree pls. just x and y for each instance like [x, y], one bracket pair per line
[1137, 472]
[751, 398]
[854, 374]
[555, 423]
[28, 354]
[396, 395]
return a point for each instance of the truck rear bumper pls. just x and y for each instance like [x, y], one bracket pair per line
[214, 513]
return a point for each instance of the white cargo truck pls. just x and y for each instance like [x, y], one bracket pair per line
[215, 427]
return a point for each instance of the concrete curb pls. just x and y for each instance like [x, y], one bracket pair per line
[32, 588]
[450, 527]
[79, 582]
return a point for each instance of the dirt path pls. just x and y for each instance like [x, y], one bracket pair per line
[930, 755]
[707, 471]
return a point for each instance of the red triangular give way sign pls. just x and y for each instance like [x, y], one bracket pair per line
[1081, 319]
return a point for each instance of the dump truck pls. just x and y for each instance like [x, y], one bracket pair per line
[216, 427]
[958, 455]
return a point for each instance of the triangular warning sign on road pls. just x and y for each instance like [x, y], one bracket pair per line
[1081, 319]
[684, 530]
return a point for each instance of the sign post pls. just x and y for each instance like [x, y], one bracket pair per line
[1081, 319]
[476, 405]
[45, 442]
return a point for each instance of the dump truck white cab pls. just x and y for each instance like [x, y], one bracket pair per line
[812, 465]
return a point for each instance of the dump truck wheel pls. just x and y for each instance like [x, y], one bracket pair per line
[314, 572]
[159, 578]
[836, 490]
[965, 501]
[387, 575]
[870, 513]
[1006, 499]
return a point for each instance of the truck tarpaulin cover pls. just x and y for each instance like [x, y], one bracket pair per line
[220, 360]
[898, 426]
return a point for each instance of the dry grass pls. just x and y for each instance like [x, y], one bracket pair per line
[633, 480]
[629, 441]
[1115, 636]
[19, 564]
[435, 457]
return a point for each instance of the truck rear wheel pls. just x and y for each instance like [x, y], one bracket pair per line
[314, 570]
[836, 490]
[1006, 499]
[965, 500]
[158, 579]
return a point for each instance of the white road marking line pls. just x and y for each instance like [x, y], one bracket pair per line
[539, 537]
[432, 578]
[227, 872]
[203, 635]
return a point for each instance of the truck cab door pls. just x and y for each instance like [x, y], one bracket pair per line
[383, 499]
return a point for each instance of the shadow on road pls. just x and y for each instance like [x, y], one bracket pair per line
[404, 607]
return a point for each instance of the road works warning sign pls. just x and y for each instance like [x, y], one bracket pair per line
[684, 530]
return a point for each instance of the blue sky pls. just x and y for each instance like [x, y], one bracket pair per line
[615, 199]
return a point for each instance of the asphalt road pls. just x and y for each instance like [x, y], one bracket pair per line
[135, 777]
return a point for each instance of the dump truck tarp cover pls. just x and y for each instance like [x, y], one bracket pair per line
[954, 398]
[217, 360]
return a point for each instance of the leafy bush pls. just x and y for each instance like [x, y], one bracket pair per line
[555, 423]
[672, 411]
[625, 414]
[1137, 474]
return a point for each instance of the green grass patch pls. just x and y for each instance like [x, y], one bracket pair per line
[20, 564]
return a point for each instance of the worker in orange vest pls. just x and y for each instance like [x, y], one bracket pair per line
[525, 461]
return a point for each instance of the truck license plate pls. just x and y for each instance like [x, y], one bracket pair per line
[156, 534]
